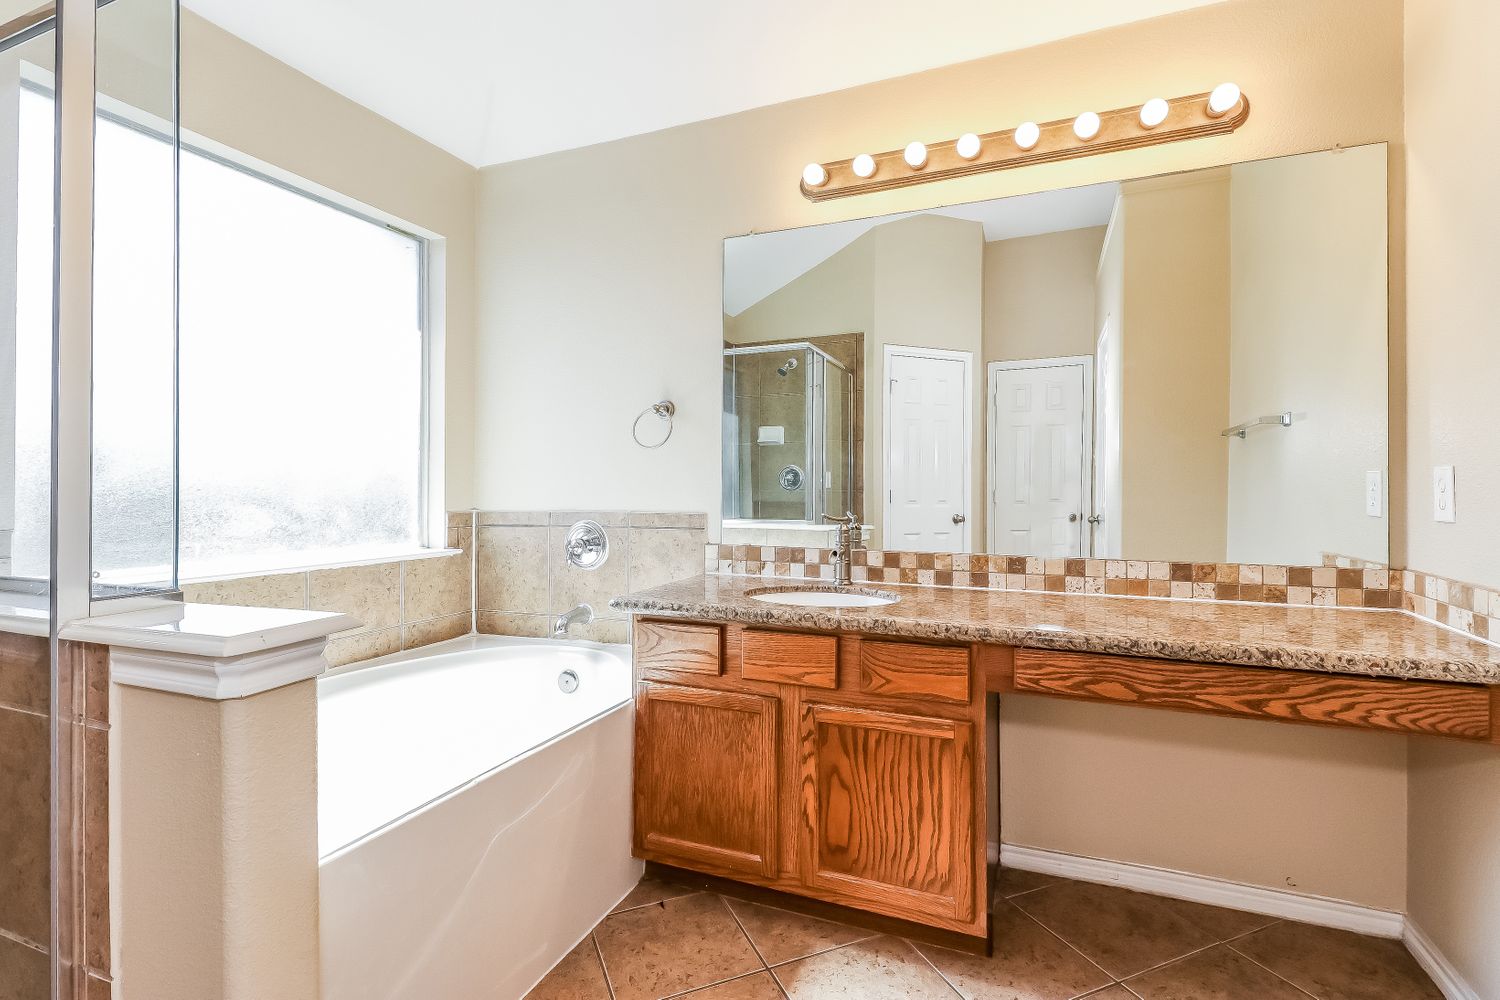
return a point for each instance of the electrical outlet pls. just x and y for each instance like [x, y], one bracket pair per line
[1442, 494]
[1374, 494]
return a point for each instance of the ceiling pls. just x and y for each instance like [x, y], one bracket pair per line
[755, 266]
[498, 80]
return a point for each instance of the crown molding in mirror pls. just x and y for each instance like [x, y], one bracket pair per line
[1186, 118]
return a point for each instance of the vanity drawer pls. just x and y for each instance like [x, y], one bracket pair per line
[1461, 711]
[671, 649]
[914, 670]
[803, 658]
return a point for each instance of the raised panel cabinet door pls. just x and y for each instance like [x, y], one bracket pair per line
[890, 810]
[705, 779]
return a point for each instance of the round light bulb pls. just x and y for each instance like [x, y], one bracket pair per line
[967, 146]
[1027, 134]
[813, 175]
[864, 165]
[1154, 112]
[916, 155]
[1086, 125]
[1224, 99]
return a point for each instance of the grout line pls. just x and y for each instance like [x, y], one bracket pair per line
[1171, 961]
[1272, 971]
[21, 939]
[741, 925]
[609, 984]
[1066, 943]
[933, 966]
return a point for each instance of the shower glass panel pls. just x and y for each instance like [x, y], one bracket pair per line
[28, 707]
[787, 434]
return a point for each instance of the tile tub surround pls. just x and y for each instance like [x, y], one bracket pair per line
[524, 580]
[25, 821]
[1054, 938]
[400, 605]
[1330, 640]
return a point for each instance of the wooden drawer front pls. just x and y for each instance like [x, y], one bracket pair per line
[674, 648]
[789, 658]
[1456, 710]
[912, 670]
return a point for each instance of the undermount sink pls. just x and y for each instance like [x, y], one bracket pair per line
[823, 597]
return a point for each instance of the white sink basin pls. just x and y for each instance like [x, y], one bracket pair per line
[812, 598]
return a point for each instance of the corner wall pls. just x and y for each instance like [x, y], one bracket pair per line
[1453, 410]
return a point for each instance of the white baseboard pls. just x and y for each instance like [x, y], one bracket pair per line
[1214, 891]
[1436, 964]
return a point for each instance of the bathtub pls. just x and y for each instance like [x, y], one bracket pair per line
[473, 818]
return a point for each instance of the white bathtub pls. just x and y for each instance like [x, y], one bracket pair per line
[474, 819]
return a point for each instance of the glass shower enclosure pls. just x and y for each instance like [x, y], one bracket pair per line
[788, 434]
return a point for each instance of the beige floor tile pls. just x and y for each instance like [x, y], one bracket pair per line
[1339, 965]
[651, 890]
[1012, 882]
[683, 944]
[882, 968]
[1219, 973]
[1115, 992]
[1121, 931]
[1223, 923]
[1029, 963]
[579, 976]
[760, 986]
[782, 936]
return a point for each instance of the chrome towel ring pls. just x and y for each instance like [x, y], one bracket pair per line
[664, 410]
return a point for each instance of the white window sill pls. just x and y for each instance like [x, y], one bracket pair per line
[374, 559]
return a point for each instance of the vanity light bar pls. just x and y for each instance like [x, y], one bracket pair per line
[1158, 121]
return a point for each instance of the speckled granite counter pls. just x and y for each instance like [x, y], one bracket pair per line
[1331, 640]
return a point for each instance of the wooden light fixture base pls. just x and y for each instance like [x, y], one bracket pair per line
[1121, 129]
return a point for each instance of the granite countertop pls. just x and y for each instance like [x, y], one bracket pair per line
[1331, 640]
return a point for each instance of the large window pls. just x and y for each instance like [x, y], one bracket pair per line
[301, 373]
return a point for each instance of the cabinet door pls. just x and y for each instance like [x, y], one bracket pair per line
[705, 780]
[890, 802]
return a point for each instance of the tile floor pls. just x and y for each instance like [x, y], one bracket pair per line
[1054, 938]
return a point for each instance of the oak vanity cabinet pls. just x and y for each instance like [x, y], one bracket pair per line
[844, 769]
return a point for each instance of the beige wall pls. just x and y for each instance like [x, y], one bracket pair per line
[837, 296]
[213, 820]
[1453, 409]
[236, 94]
[1312, 810]
[567, 238]
[1174, 367]
[1308, 334]
[1039, 295]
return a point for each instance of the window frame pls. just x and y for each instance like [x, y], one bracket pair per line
[432, 516]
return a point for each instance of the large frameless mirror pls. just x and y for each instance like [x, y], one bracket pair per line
[1190, 367]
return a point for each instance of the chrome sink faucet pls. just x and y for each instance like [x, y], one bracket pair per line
[843, 556]
[581, 615]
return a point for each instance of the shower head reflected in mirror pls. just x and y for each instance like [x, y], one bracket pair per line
[790, 366]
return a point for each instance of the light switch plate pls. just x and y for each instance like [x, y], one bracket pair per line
[1374, 493]
[1442, 494]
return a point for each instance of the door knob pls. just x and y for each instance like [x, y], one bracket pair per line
[1072, 518]
[1095, 518]
[958, 519]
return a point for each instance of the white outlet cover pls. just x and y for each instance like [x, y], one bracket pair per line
[1374, 493]
[1443, 499]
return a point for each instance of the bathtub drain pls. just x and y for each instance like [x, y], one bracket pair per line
[568, 681]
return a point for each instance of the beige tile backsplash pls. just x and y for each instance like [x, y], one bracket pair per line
[524, 579]
[400, 605]
[514, 573]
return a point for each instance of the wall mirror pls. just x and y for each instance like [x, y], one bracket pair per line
[1188, 367]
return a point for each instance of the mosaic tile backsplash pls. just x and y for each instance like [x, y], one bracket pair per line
[1465, 607]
